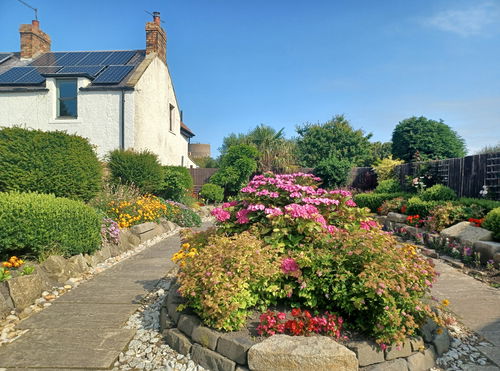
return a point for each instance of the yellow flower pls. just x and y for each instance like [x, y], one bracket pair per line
[445, 302]
[439, 331]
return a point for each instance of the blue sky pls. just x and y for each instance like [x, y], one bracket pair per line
[237, 64]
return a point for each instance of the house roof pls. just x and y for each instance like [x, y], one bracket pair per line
[186, 131]
[107, 70]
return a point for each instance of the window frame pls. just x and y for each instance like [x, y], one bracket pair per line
[59, 99]
[171, 117]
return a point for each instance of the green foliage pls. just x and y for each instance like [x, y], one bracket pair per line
[335, 138]
[479, 207]
[206, 162]
[236, 167]
[379, 151]
[385, 168]
[492, 223]
[416, 206]
[227, 277]
[334, 171]
[443, 216]
[388, 186]
[139, 168]
[489, 149]
[48, 162]
[393, 205]
[32, 224]
[114, 194]
[375, 200]
[187, 218]
[178, 183]
[418, 138]
[212, 193]
[438, 192]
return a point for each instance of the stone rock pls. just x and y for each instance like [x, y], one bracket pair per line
[24, 290]
[403, 351]
[395, 365]
[165, 321]
[205, 336]
[142, 228]
[79, 263]
[187, 322]
[487, 250]
[396, 217]
[56, 268]
[283, 352]
[148, 235]
[441, 342]
[417, 344]
[367, 352]
[103, 253]
[422, 361]
[234, 348]
[428, 329]
[177, 341]
[128, 240]
[211, 360]
[467, 233]
[6, 306]
[115, 249]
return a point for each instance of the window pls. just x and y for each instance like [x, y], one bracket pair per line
[67, 98]
[171, 118]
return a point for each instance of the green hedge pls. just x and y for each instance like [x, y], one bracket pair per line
[487, 205]
[417, 206]
[374, 200]
[37, 225]
[139, 168]
[177, 184]
[48, 162]
[212, 192]
[438, 192]
[388, 186]
[492, 223]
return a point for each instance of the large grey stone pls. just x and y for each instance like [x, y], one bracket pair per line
[395, 365]
[211, 360]
[282, 352]
[103, 253]
[128, 240]
[367, 352]
[168, 225]
[205, 336]
[235, 348]
[422, 361]
[172, 302]
[487, 250]
[148, 235]
[142, 228]
[441, 341]
[5, 308]
[398, 351]
[24, 290]
[165, 321]
[56, 268]
[467, 233]
[79, 264]
[396, 217]
[428, 329]
[417, 344]
[177, 341]
[187, 322]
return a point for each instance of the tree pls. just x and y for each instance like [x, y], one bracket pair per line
[379, 151]
[206, 162]
[489, 149]
[335, 138]
[426, 139]
[333, 171]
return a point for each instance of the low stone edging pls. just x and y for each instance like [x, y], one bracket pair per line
[216, 351]
[18, 293]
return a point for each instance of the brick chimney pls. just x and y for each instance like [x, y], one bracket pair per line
[156, 38]
[33, 40]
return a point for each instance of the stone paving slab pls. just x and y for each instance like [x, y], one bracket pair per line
[69, 315]
[91, 295]
[56, 348]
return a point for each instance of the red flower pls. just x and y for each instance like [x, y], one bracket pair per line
[295, 312]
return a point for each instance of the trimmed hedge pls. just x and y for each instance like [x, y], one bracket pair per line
[48, 162]
[417, 206]
[177, 184]
[388, 186]
[487, 205]
[37, 225]
[438, 192]
[139, 168]
[492, 223]
[374, 200]
[212, 192]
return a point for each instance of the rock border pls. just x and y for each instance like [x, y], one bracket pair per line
[216, 350]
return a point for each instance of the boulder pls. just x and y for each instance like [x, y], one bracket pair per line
[398, 351]
[422, 361]
[487, 250]
[367, 352]
[6, 304]
[128, 240]
[467, 233]
[142, 228]
[78, 264]
[396, 217]
[395, 365]
[56, 268]
[24, 290]
[283, 352]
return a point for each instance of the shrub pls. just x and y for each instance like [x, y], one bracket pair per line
[178, 183]
[36, 225]
[188, 218]
[48, 162]
[226, 278]
[492, 223]
[147, 208]
[396, 205]
[438, 192]
[334, 171]
[375, 200]
[479, 207]
[212, 192]
[442, 216]
[114, 193]
[388, 186]
[416, 206]
[385, 168]
[139, 168]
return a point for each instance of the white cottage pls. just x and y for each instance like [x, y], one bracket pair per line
[116, 99]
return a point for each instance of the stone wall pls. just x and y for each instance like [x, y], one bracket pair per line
[20, 292]
[214, 350]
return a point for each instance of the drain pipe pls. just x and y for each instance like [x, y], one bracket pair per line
[122, 119]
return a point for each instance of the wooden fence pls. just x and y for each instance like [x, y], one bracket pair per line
[201, 176]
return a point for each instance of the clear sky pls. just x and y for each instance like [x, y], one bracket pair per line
[236, 64]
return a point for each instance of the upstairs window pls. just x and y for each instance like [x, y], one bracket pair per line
[171, 117]
[67, 98]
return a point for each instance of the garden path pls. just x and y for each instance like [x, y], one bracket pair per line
[83, 329]
[476, 305]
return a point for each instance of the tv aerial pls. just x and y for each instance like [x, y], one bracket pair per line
[152, 14]
[29, 6]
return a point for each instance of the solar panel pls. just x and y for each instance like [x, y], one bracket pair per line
[119, 57]
[32, 77]
[113, 74]
[47, 59]
[94, 58]
[88, 70]
[15, 73]
[48, 69]
[71, 59]
[4, 57]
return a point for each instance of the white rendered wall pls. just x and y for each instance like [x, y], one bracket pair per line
[98, 114]
[154, 93]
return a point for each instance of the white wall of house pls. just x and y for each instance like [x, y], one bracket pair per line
[154, 93]
[98, 118]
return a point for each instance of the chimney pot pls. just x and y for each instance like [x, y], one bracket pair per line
[156, 18]
[156, 38]
[36, 24]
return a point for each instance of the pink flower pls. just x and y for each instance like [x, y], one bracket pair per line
[351, 203]
[281, 315]
[289, 265]
[242, 217]
[226, 205]
[220, 214]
